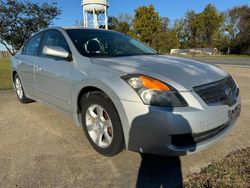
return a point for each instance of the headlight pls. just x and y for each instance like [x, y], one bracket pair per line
[154, 92]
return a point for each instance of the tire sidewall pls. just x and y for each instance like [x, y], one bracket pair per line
[117, 143]
[15, 78]
[24, 99]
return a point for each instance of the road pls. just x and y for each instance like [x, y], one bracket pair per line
[244, 61]
[42, 148]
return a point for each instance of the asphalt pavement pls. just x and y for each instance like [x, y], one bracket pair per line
[244, 61]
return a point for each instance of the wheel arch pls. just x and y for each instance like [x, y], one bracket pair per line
[84, 91]
[113, 97]
[14, 73]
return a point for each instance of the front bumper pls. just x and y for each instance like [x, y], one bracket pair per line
[177, 131]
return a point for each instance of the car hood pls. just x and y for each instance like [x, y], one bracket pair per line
[183, 74]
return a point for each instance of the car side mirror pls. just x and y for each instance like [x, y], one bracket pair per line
[56, 52]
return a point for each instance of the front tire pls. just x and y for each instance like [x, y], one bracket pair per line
[101, 123]
[19, 90]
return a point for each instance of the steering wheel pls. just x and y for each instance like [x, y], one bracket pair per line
[118, 52]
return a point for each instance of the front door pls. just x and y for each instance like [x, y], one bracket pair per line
[53, 75]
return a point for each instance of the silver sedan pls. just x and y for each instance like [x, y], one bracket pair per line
[124, 94]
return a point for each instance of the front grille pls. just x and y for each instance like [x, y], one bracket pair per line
[224, 91]
[184, 140]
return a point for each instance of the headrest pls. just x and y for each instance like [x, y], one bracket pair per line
[93, 46]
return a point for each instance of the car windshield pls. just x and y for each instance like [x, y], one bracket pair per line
[103, 43]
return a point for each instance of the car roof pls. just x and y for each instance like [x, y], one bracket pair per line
[73, 28]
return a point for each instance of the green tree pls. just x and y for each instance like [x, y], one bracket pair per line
[164, 41]
[211, 22]
[189, 30]
[125, 17]
[180, 27]
[19, 19]
[238, 27]
[193, 28]
[165, 23]
[199, 30]
[221, 41]
[117, 25]
[147, 23]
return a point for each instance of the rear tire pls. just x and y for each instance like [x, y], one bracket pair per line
[19, 90]
[101, 123]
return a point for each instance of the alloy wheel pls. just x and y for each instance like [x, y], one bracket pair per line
[99, 125]
[19, 89]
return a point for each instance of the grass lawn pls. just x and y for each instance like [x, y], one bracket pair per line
[5, 74]
[232, 171]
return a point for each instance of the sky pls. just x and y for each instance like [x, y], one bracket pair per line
[174, 9]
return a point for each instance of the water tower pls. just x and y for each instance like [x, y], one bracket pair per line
[95, 13]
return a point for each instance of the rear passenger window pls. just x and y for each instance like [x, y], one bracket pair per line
[33, 45]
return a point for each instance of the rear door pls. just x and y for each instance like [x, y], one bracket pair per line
[26, 63]
[53, 74]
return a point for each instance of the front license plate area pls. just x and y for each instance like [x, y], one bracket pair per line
[233, 114]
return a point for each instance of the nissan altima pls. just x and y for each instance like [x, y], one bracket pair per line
[124, 94]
